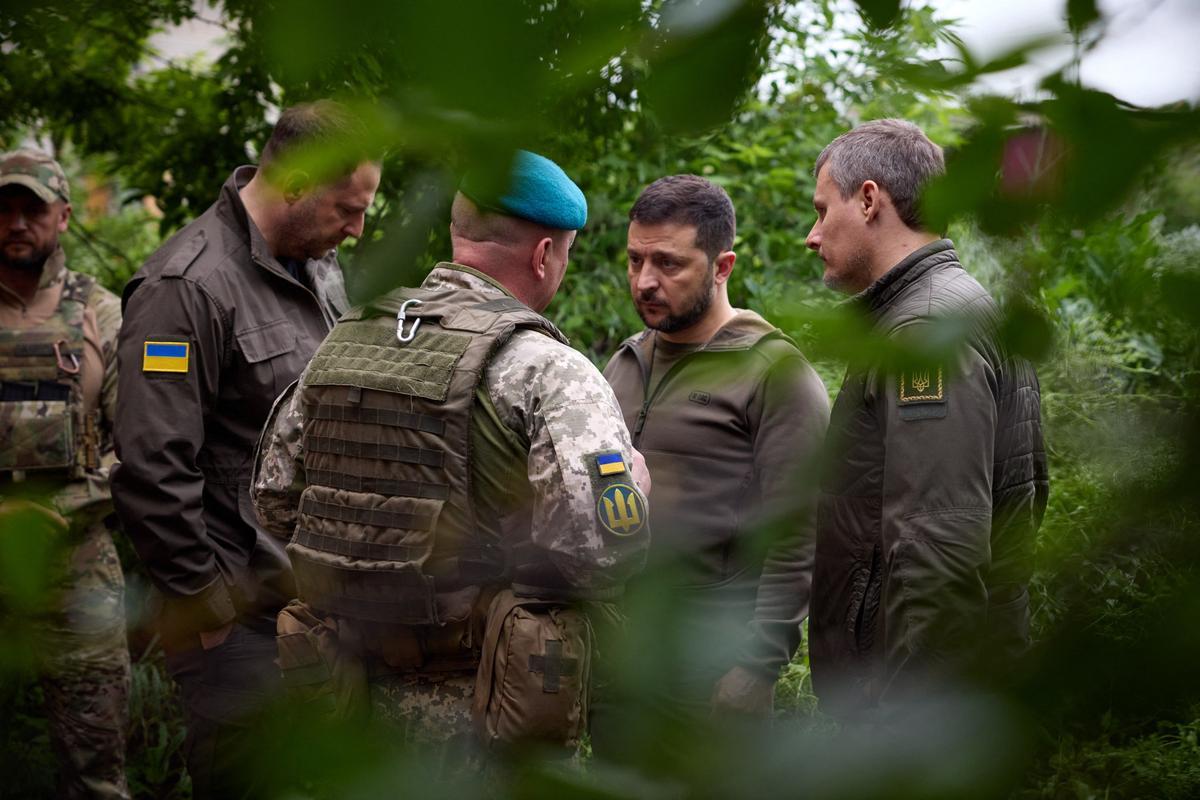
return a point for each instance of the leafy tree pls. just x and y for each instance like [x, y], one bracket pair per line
[1077, 209]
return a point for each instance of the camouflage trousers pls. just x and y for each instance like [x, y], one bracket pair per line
[83, 663]
[427, 708]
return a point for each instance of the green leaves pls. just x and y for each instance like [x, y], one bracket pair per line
[702, 58]
[1076, 154]
[879, 13]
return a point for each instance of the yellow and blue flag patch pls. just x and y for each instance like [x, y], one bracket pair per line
[610, 463]
[165, 356]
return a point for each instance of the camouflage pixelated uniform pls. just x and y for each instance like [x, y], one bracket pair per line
[559, 410]
[82, 653]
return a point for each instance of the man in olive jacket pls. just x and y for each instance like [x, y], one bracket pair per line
[728, 415]
[938, 477]
[219, 321]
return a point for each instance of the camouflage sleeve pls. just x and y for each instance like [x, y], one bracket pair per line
[278, 477]
[588, 517]
[108, 320]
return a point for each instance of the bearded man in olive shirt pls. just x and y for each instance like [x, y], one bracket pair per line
[728, 414]
[218, 322]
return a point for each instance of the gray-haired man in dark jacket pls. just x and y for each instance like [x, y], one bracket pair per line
[938, 480]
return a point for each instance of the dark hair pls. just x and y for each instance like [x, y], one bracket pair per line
[319, 124]
[894, 153]
[689, 200]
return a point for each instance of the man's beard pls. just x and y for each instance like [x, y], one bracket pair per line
[695, 308]
[296, 234]
[852, 279]
[33, 262]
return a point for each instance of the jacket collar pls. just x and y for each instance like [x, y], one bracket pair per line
[744, 331]
[53, 269]
[448, 275]
[323, 274]
[230, 206]
[882, 292]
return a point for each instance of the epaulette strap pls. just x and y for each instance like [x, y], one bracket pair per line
[185, 256]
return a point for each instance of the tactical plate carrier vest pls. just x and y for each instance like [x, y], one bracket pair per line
[44, 429]
[388, 530]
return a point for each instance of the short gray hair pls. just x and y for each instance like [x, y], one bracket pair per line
[894, 153]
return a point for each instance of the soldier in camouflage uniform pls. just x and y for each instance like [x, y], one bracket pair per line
[516, 497]
[58, 374]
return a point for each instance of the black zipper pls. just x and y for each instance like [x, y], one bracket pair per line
[648, 399]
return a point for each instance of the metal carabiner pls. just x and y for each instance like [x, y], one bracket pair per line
[401, 336]
[73, 367]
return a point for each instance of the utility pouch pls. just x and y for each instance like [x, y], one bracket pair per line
[39, 434]
[320, 662]
[533, 680]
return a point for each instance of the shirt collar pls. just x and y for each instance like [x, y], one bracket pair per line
[448, 275]
[52, 271]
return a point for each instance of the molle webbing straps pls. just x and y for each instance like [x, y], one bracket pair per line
[379, 416]
[375, 450]
[401, 596]
[357, 483]
[367, 516]
[42, 417]
[387, 520]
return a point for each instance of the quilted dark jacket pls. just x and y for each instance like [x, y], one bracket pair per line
[937, 485]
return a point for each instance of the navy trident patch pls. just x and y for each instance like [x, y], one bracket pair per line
[621, 510]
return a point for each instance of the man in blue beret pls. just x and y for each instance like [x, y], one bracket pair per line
[447, 447]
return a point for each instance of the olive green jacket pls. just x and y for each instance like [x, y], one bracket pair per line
[728, 434]
[937, 485]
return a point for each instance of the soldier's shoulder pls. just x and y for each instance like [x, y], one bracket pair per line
[956, 290]
[107, 307]
[943, 293]
[531, 348]
[777, 346]
[194, 252]
[533, 362]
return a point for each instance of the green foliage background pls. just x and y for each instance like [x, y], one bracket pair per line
[1096, 260]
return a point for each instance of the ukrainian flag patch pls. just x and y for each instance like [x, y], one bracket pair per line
[165, 356]
[610, 464]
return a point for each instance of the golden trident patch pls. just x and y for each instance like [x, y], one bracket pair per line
[620, 510]
[921, 386]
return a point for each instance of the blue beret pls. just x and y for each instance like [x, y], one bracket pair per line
[538, 190]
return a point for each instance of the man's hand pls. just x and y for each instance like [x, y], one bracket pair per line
[641, 473]
[740, 691]
[214, 638]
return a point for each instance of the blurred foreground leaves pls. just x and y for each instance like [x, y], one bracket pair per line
[1078, 210]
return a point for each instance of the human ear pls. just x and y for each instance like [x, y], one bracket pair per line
[724, 266]
[871, 200]
[540, 251]
[64, 217]
[295, 185]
